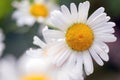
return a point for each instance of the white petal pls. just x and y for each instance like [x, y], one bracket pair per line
[41, 20]
[25, 20]
[62, 18]
[96, 13]
[65, 10]
[79, 63]
[103, 46]
[83, 11]
[67, 14]
[38, 42]
[96, 57]
[54, 50]
[105, 37]
[20, 5]
[104, 24]
[98, 25]
[52, 35]
[29, 64]
[57, 23]
[99, 19]
[8, 64]
[88, 63]
[63, 76]
[75, 71]
[72, 59]
[101, 52]
[58, 20]
[104, 30]
[63, 57]
[110, 24]
[35, 53]
[74, 12]
[18, 14]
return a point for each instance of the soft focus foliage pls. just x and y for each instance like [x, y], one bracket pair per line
[5, 8]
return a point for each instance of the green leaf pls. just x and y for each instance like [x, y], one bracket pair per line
[5, 7]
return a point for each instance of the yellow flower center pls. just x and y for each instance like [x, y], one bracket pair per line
[35, 77]
[38, 10]
[79, 37]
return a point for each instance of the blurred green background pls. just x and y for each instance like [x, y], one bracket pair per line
[19, 39]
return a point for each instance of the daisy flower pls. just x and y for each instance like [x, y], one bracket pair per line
[80, 38]
[28, 13]
[2, 45]
[41, 65]
[34, 68]
[35, 56]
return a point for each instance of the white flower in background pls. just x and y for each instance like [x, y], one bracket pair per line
[38, 65]
[39, 57]
[35, 68]
[2, 45]
[78, 37]
[8, 69]
[28, 13]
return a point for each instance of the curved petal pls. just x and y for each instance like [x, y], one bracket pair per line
[96, 57]
[105, 37]
[74, 12]
[66, 14]
[52, 35]
[88, 63]
[100, 52]
[98, 19]
[104, 30]
[79, 63]
[83, 11]
[72, 59]
[96, 13]
[38, 42]
[58, 20]
[64, 55]
[103, 46]
[56, 48]
[63, 19]
[104, 24]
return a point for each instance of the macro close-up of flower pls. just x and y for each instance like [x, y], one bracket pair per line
[59, 40]
[27, 13]
[44, 50]
[79, 36]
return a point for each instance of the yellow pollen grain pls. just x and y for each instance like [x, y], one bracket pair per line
[35, 77]
[79, 37]
[38, 10]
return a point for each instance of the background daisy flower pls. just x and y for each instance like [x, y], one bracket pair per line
[35, 68]
[35, 55]
[8, 68]
[27, 13]
[40, 63]
[2, 45]
[80, 37]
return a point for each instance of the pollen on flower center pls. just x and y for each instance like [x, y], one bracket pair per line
[35, 77]
[38, 10]
[79, 37]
